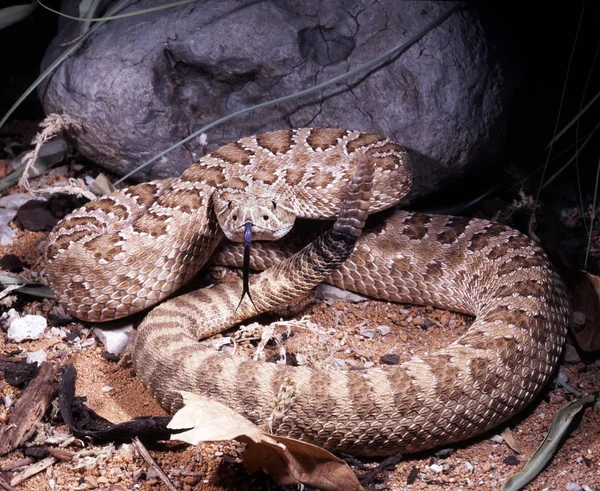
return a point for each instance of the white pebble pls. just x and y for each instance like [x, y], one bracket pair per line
[384, 330]
[497, 439]
[436, 468]
[573, 486]
[88, 343]
[8, 402]
[115, 340]
[469, 467]
[367, 333]
[106, 388]
[57, 332]
[28, 327]
[38, 357]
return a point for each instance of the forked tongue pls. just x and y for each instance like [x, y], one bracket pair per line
[246, 265]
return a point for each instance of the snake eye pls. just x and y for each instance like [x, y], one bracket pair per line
[274, 205]
[229, 205]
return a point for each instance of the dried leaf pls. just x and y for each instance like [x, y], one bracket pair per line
[287, 460]
[585, 290]
[509, 439]
[210, 421]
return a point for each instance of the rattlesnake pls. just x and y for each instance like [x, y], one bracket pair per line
[127, 251]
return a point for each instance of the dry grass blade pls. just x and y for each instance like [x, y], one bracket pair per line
[14, 14]
[152, 463]
[24, 286]
[57, 63]
[560, 425]
[120, 16]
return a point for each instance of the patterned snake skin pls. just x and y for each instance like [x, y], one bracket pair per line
[127, 251]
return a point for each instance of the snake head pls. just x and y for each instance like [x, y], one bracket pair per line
[271, 219]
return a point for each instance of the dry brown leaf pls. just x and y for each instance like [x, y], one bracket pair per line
[509, 439]
[585, 290]
[287, 460]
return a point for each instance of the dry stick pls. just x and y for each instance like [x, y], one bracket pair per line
[30, 407]
[5, 486]
[32, 470]
[16, 464]
[152, 463]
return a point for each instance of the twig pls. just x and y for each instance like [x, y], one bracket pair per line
[32, 470]
[4, 485]
[16, 464]
[152, 463]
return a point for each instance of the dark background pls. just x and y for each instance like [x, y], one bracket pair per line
[537, 45]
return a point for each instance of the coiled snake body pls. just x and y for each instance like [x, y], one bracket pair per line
[127, 251]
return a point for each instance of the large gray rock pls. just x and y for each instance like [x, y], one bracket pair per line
[142, 83]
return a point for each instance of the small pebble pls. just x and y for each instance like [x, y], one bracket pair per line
[570, 354]
[106, 388]
[469, 467]
[38, 357]
[151, 474]
[218, 343]
[436, 468]
[573, 486]
[444, 453]
[367, 333]
[27, 327]
[511, 460]
[562, 375]
[91, 481]
[578, 318]
[115, 340]
[384, 330]
[390, 359]
[497, 439]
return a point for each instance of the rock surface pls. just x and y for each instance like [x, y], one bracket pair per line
[143, 83]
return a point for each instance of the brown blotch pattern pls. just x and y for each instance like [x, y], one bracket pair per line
[293, 176]
[415, 226]
[151, 224]
[235, 183]
[105, 246]
[211, 175]
[88, 222]
[234, 153]
[434, 270]
[502, 313]
[453, 229]
[145, 193]
[63, 242]
[363, 140]
[519, 262]
[105, 205]
[188, 200]
[321, 179]
[322, 139]
[265, 172]
[276, 142]
[499, 250]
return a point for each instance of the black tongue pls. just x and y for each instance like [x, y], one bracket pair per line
[246, 265]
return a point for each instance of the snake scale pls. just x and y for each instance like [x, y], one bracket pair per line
[128, 251]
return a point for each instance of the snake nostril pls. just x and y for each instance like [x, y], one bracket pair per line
[234, 218]
[265, 218]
